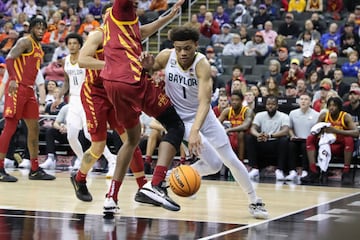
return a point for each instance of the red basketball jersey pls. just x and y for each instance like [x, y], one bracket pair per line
[122, 44]
[27, 65]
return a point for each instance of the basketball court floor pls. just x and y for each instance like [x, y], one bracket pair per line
[50, 210]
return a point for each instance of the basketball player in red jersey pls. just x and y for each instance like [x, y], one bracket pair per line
[99, 111]
[345, 129]
[23, 64]
[130, 92]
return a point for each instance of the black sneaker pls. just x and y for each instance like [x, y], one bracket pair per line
[159, 195]
[142, 198]
[40, 174]
[82, 193]
[311, 178]
[5, 177]
[347, 178]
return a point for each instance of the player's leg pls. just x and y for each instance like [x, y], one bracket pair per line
[74, 125]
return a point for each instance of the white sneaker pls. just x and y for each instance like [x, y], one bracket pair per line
[292, 176]
[304, 173]
[257, 210]
[8, 163]
[279, 174]
[254, 173]
[48, 164]
[159, 196]
[110, 206]
[25, 164]
[111, 167]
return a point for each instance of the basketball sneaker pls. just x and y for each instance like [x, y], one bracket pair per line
[40, 174]
[25, 164]
[257, 210]
[110, 206]
[50, 163]
[142, 198]
[8, 163]
[5, 177]
[254, 174]
[292, 176]
[81, 190]
[160, 196]
[111, 167]
[279, 174]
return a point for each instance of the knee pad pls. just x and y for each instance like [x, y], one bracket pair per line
[174, 126]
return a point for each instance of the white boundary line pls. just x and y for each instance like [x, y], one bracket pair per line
[273, 219]
[39, 217]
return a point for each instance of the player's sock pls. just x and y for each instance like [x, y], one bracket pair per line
[159, 175]
[141, 181]
[182, 160]
[148, 159]
[34, 164]
[313, 167]
[2, 164]
[114, 190]
[346, 168]
[80, 177]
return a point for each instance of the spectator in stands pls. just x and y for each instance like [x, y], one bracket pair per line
[25, 31]
[73, 25]
[313, 82]
[289, 28]
[261, 18]
[333, 57]
[244, 35]
[301, 88]
[315, 35]
[63, 7]
[269, 35]
[284, 59]
[7, 43]
[321, 97]
[263, 91]
[297, 51]
[60, 51]
[235, 48]
[274, 72]
[168, 43]
[257, 48]
[209, 27]
[345, 129]
[19, 24]
[327, 69]
[331, 47]
[240, 17]
[334, 9]
[142, 8]
[250, 7]
[213, 59]
[249, 99]
[88, 25]
[230, 7]
[350, 45]
[290, 90]
[217, 85]
[353, 106]
[280, 41]
[30, 8]
[331, 34]
[51, 87]
[56, 133]
[307, 41]
[269, 133]
[272, 9]
[223, 103]
[255, 90]
[350, 68]
[6, 29]
[238, 85]
[318, 55]
[193, 22]
[240, 118]
[95, 10]
[221, 16]
[236, 74]
[82, 10]
[201, 14]
[52, 107]
[293, 74]
[339, 85]
[348, 29]
[60, 33]
[49, 8]
[301, 122]
[225, 37]
[314, 6]
[273, 87]
[297, 6]
[55, 71]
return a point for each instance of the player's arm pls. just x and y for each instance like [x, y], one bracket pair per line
[224, 115]
[148, 29]
[152, 65]
[88, 51]
[249, 116]
[21, 46]
[65, 87]
[40, 82]
[2, 89]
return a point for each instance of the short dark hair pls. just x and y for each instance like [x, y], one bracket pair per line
[239, 94]
[336, 100]
[183, 33]
[76, 36]
[37, 21]
[105, 8]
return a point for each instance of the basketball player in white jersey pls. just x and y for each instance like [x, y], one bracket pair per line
[76, 119]
[189, 86]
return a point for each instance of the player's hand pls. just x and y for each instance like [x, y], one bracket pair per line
[147, 60]
[175, 9]
[195, 143]
[41, 109]
[12, 87]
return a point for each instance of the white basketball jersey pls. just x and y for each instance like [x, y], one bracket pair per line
[76, 77]
[182, 86]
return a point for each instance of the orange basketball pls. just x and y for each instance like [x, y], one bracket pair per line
[184, 181]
